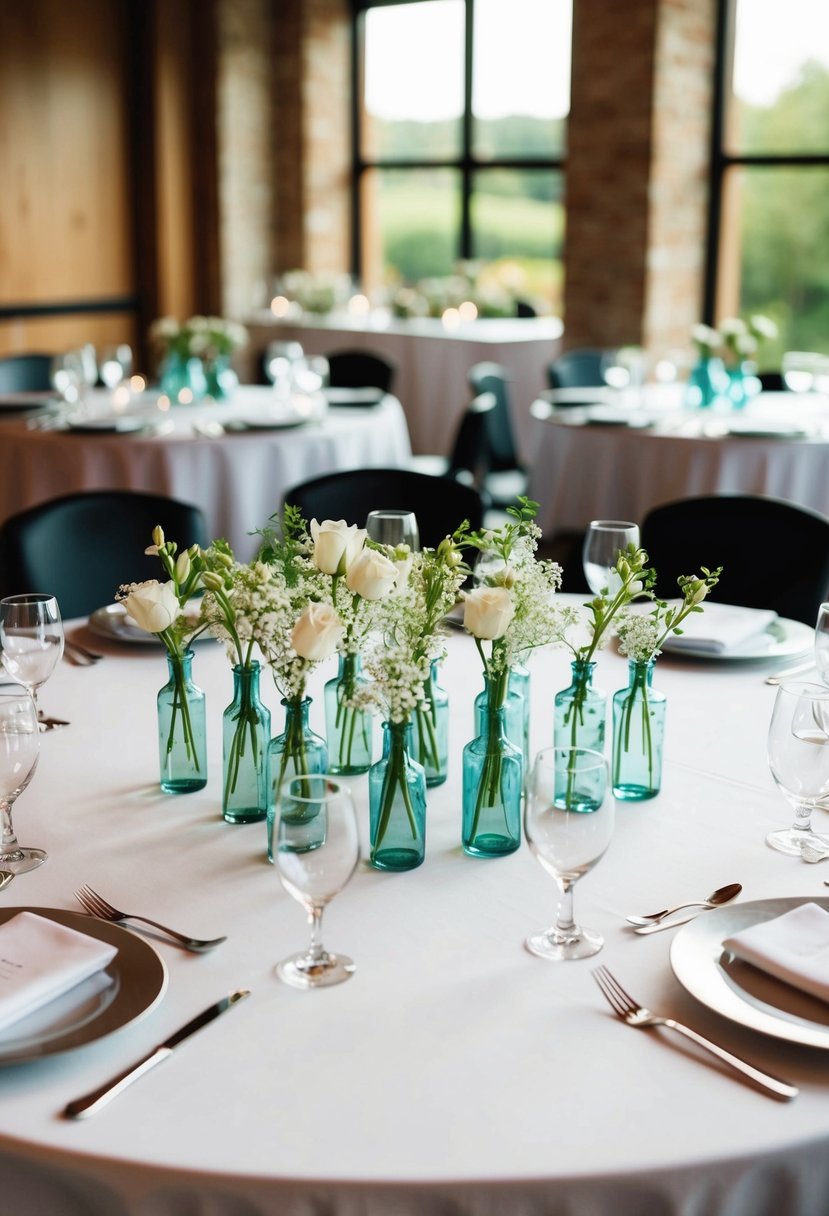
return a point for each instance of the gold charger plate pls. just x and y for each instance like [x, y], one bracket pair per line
[137, 979]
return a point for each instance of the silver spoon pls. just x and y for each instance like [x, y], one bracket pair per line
[716, 899]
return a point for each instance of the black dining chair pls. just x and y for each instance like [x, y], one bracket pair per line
[360, 369]
[468, 459]
[580, 368]
[506, 477]
[439, 503]
[774, 554]
[82, 547]
[25, 373]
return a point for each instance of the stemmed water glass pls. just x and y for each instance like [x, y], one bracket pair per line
[393, 528]
[31, 641]
[315, 848]
[602, 542]
[19, 750]
[822, 642]
[798, 754]
[568, 822]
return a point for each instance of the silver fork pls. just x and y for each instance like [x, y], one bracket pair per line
[624, 1006]
[95, 905]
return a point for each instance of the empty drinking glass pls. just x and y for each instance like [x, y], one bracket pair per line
[31, 641]
[315, 848]
[602, 542]
[394, 528]
[568, 821]
[19, 751]
[798, 754]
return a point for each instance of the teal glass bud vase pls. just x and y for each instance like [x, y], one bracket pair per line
[246, 732]
[298, 750]
[705, 383]
[638, 735]
[220, 380]
[397, 803]
[181, 378]
[431, 730]
[182, 750]
[735, 390]
[519, 684]
[493, 771]
[347, 730]
[580, 711]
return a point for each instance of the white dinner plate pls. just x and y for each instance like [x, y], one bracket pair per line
[137, 979]
[107, 426]
[738, 991]
[112, 621]
[27, 401]
[359, 398]
[750, 428]
[784, 639]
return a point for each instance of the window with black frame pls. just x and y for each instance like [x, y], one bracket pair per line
[459, 140]
[769, 248]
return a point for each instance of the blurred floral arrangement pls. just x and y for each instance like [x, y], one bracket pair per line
[734, 340]
[206, 338]
[475, 289]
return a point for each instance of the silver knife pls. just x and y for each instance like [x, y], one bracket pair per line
[780, 677]
[92, 1102]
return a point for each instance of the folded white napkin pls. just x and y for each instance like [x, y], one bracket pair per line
[40, 960]
[793, 947]
[720, 628]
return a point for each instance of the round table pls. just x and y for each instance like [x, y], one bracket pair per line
[455, 1072]
[610, 462]
[226, 458]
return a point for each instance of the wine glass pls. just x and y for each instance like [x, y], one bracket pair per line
[568, 822]
[394, 528]
[623, 370]
[31, 641]
[798, 368]
[798, 754]
[822, 642]
[280, 358]
[602, 542]
[315, 848]
[116, 365]
[19, 751]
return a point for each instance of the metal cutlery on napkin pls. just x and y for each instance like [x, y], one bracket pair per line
[79, 1108]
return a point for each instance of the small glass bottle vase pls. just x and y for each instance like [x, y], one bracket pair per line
[493, 769]
[580, 712]
[431, 730]
[298, 750]
[246, 732]
[347, 730]
[220, 380]
[397, 803]
[182, 750]
[705, 383]
[638, 736]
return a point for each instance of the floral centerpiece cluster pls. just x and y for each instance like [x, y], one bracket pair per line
[725, 356]
[195, 355]
[493, 290]
[323, 589]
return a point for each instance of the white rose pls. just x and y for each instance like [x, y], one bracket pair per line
[372, 575]
[336, 544]
[153, 605]
[317, 632]
[487, 612]
[403, 566]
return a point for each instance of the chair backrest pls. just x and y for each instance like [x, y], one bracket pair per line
[470, 455]
[576, 369]
[493, 378]
[439, 503]
[25, 374]
[360, 369]
[772, 382]
[740, 532]
[82, 547]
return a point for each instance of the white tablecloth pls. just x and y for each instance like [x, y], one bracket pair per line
[433, 363]
[583, 471]
[238, 479]
[455, 1072]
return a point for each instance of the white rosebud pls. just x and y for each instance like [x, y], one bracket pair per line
[372, 575]
[487, 612]
[317, 632]
[403, 566]
[153, 605]
[158, 536]
[336, 545]
[182, 566]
